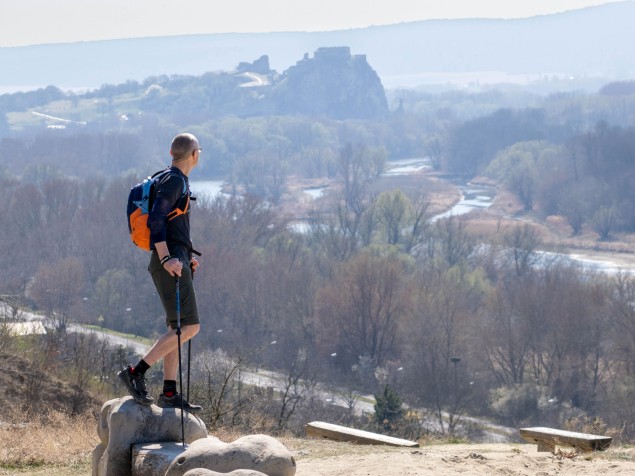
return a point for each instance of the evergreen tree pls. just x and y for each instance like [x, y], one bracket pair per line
[388, 409]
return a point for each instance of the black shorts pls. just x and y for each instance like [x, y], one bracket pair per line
[166, 288]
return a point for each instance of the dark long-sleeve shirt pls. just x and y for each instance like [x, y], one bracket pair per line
[172, 191]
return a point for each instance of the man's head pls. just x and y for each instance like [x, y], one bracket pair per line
[184, 146]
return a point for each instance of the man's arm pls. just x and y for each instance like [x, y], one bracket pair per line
[173, 265]
[167, 195]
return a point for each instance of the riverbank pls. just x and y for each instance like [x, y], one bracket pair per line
[555, 234]
[305, 197]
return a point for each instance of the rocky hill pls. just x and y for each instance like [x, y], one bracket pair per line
[333, 83]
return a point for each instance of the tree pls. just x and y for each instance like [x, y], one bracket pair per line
[473, 144]
[388, 408]
[451, 242]
[113, 291]
[394, 208]
[439, 336]
[574, 204]
[519, 167]
[57, 287]
[603, 221]
[621, 306]
[358, 167]
[297, 384]
[362, 309]
[433, 146]
[221, 386]
[523, 242]
[505, 340]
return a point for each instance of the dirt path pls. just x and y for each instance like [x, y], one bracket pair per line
[328, 458]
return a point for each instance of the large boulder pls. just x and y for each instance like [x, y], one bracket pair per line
[254, 452]
[139, 440]
[124, 423]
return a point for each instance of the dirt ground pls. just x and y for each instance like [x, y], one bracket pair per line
[316, 457]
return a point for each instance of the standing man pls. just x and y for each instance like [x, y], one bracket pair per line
[169, 223]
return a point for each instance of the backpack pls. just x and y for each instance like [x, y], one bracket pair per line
[140, 201]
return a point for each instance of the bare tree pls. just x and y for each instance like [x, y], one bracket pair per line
[451, 241]
[439, 337]
[418, 224]
[433, 146]
[622, 305]
[57, 288]
[297, 385]
[222, 385]
[523, 242]
[394, 210]
[363, 307]
[358, 167]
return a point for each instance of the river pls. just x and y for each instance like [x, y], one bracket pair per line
[207, 188]
[473, 197]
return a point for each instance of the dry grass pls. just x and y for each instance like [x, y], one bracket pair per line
[60, 445]
[56, 443]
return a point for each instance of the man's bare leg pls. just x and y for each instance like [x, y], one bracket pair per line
[167, 344]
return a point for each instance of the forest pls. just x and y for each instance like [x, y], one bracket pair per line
[375, 295]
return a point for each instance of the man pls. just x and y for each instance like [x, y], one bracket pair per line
[171, 247]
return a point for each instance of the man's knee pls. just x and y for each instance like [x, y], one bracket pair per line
[191, 330]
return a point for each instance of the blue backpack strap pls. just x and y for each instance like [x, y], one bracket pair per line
[146, 191]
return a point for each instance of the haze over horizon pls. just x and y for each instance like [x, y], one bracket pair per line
[69, 21]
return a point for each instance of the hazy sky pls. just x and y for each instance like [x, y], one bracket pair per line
[25, 22]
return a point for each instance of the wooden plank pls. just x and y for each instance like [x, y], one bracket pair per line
[342, 433]
[548, 438]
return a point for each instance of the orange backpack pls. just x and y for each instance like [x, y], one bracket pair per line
[140, 201]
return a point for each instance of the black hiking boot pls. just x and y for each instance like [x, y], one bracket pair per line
[175, 402]
[136, 385]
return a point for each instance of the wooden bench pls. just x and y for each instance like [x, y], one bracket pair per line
[342, 433]
[548, 438]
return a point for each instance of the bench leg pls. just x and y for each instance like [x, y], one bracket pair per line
[543, 446]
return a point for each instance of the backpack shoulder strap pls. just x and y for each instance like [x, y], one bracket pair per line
[169, 171]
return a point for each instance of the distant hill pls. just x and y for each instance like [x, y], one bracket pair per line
[594, 41]
[332, 83]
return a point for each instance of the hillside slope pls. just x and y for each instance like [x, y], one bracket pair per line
[26, 389]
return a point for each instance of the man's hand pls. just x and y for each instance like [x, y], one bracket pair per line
[194, 264]
[173, 266]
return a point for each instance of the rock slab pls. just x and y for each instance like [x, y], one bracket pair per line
[124, 423]
[259, 453]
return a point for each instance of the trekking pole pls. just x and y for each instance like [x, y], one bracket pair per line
[189, 358]
[189, 347]
[178, 336]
